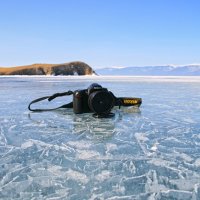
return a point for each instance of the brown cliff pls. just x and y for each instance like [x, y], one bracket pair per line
[71, 68]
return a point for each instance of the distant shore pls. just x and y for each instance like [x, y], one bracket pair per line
[71, 68]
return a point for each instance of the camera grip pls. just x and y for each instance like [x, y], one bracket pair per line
[77, 102]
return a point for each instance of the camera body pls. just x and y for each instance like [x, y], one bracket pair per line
[94, 99]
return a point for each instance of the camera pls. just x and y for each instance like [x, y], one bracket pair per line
[94, 99]
[100, 101]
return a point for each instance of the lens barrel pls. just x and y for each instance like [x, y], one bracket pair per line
[101, 102]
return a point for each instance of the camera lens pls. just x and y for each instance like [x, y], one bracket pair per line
[101, 102]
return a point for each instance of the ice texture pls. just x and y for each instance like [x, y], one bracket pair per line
[147, 153]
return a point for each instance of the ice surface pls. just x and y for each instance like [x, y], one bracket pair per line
[147, 153]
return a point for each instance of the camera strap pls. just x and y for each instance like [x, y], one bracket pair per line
[50, 98]
[128, 101]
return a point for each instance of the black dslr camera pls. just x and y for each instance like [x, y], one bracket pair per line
[94, 99]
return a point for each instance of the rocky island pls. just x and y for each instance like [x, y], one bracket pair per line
[71, 68]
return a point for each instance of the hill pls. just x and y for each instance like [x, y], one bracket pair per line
[71, 68]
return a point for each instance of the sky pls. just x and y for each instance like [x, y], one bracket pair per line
[102, 33]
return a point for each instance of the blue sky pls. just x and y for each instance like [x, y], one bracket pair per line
[102, 33]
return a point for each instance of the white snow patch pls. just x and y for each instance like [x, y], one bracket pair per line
[86, 154]
[197, 162]
[80, 144]
[155, 146]
[141, 137]
[103, 175]
[110, 146]
[77, 176]
[27, 144]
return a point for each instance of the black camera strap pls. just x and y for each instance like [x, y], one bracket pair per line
[50, 98]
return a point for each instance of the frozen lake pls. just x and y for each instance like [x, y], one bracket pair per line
[147, 153]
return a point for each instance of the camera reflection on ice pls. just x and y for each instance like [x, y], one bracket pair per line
[83, 125]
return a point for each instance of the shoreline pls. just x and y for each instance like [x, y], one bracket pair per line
[189, 79]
